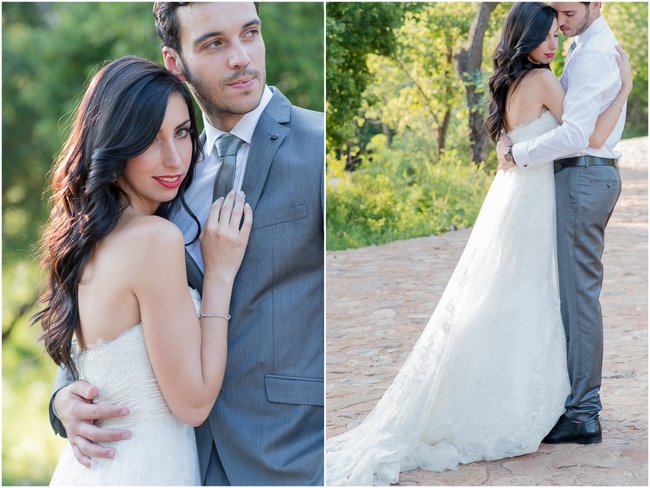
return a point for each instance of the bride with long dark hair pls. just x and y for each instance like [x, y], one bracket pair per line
[487, 378]
[117, 309]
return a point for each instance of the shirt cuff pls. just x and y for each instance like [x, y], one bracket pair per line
[520, 155]
[56, 423]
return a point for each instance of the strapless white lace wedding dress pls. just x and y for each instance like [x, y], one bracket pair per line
[162, 450]
[487, 378]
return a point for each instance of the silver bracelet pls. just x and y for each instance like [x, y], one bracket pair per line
[620, 108]
[215, 315]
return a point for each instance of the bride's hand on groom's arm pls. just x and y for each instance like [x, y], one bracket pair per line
[610, 117]
[74, 408]
[625, 68]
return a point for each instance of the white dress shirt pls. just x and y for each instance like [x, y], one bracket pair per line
[199, 195]
[591, 80]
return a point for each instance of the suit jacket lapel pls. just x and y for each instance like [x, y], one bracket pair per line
[269, 134]
[194, 275]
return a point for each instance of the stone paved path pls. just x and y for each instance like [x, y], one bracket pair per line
[380, 298]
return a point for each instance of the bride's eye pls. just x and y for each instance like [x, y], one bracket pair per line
[183, 132]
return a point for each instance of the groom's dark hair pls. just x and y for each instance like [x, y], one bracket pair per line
[167, 26]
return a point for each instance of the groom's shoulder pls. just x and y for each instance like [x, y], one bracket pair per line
[602, 41]
[298, 118]
[308, 120]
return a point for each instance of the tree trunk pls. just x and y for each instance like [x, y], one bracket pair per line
[442, 128]
[442, 133]
[385, 129]
[469, 66]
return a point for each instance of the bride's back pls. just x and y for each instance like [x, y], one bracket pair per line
[107, 304]
[524, 101]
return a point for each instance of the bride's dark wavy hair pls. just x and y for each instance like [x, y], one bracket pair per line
[526, 27]
[118, 118]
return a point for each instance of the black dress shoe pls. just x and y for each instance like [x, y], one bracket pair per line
[567, 430]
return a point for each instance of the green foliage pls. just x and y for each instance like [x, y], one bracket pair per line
[293, 34]
[49, 50]
[354, 30]
[418, 86]
[29, 447]
[399, 194]
[629, 21]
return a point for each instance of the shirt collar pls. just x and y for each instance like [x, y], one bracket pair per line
[596, 26]
[243, 129]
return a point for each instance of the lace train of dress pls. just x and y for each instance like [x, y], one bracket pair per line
[162, 450]
[487, 379]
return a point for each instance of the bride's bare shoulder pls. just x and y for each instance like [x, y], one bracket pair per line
[538, 79]
[148, 236]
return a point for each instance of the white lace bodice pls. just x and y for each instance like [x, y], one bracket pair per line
[122, 372]
[162, 450]
[544, 123]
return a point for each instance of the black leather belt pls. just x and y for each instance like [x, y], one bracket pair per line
[584, 161]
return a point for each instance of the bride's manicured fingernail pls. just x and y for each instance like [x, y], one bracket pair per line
[111, 454]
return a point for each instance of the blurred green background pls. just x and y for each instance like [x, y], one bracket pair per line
[403, 160]
[49, 50]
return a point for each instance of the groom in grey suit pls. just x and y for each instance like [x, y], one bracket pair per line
[266, 427]
[587, 185]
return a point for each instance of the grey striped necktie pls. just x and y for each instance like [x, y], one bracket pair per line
[227, 145]
[572, 48]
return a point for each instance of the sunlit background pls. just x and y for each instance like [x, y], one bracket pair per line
[408, 154]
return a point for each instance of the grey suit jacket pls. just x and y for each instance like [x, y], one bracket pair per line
[267, 423]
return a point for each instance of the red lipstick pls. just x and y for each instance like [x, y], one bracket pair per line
[169, 181]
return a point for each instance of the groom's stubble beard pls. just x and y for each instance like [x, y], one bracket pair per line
[217, 109]
[584, 25]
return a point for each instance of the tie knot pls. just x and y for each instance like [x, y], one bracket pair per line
[228, 144]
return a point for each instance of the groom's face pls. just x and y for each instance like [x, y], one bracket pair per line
[222, 57]
[573, 17]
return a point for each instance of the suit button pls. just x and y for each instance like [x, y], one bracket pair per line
[274, 137]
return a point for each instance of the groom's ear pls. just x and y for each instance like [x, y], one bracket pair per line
[173, 62]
